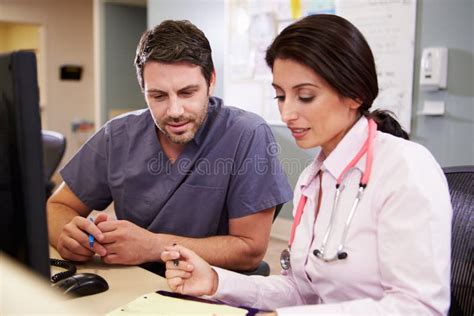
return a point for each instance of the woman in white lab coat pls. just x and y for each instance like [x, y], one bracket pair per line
[372, 216]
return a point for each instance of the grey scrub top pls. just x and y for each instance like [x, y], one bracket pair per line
[229, 170]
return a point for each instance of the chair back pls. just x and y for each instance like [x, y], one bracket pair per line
[54, 145]
[277, 211]
[461, 187]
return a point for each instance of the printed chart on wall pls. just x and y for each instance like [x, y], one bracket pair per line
[388, 25]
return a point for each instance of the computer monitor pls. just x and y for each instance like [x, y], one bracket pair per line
[22, 190]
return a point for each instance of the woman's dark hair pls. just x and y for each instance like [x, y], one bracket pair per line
[172, 42]
[338, 53]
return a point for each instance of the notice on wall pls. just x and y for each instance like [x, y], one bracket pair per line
[388, 25]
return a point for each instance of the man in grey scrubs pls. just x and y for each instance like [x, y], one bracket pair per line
[187, 170]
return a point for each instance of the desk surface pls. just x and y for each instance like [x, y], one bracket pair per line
[23, 292]
[126, 283]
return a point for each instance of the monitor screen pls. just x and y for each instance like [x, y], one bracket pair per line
[22, 193]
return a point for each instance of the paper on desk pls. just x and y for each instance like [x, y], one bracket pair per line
[156, 304]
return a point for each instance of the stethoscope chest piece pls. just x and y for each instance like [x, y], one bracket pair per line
[285, 259]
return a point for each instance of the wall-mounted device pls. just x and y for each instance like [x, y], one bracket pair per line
[70, 72]
[434, 68]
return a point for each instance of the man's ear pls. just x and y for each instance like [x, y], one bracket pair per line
[212, 82]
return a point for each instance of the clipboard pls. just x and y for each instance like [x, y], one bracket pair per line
[166, 303]
[250, 310]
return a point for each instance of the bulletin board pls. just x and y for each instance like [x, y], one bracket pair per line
[388, 26]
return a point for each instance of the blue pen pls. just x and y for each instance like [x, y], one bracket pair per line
[91, 237]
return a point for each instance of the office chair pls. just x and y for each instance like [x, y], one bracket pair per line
[461, 187]
[263, 268]
[54, 145]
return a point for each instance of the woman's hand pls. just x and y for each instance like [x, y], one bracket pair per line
[187, 273]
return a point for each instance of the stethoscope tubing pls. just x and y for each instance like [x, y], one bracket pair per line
[367, 149]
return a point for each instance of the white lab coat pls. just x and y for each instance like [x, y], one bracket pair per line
[398, 244]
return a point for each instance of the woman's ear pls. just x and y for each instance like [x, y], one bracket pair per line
[353, 104]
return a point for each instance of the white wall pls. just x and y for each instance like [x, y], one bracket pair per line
[67, 30]
[207, 15]
[448, 137]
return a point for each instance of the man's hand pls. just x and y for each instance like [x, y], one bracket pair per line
[187, 273]
[127, 243]
[73, 241]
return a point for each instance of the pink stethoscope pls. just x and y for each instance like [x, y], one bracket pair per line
[367, 148]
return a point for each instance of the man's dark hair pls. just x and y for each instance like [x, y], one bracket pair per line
[337, 52]
[172, 42]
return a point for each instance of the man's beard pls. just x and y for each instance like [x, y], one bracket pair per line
[194, 120]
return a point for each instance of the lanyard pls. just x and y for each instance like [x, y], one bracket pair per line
[367, 148]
